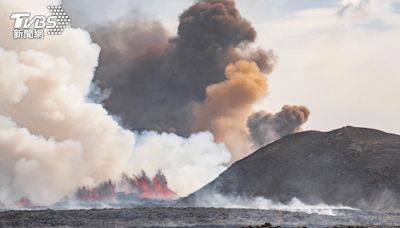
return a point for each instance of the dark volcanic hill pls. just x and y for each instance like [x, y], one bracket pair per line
[351, 166]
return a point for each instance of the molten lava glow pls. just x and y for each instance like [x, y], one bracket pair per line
[156, 188]
[136, 187]
[23, 202]
[140, 186]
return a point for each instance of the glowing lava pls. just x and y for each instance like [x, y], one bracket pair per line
[140, 186]
[156, 188]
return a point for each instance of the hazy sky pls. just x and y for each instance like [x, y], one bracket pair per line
[339, 58]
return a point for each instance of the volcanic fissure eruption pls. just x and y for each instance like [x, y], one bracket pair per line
[140, 186]
[53, 139]
[186, 98]
[155, 188]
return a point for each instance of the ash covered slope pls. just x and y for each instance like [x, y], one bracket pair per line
[356, 167]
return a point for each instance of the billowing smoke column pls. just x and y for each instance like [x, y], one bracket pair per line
[157, 80]
[161, 84]
[53, 140]
[228, 105]
[267, 127]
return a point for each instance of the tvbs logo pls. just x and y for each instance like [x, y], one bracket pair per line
[27, 26]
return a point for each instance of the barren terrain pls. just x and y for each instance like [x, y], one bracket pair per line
[189, 217]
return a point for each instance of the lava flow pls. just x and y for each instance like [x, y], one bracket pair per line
[140, 186]
[156, 188]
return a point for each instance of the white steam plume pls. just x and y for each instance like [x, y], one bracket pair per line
[52, 140]
[295, 205]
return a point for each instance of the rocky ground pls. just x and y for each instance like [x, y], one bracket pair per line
[190, 217]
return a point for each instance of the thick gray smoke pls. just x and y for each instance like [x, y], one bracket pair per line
[157, 80]
[54, 140]
[267, 127]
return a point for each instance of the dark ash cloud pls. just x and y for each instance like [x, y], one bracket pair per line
[267, 127]
[157, 80]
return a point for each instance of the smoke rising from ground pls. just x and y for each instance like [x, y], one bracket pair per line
[295, 205]
[53, 140]
[267, 127]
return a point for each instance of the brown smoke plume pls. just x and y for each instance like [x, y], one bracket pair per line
[266, 127]
[157, 80]
[228, 105]
[177, 84]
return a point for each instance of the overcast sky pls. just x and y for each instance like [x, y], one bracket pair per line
[338, 57]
